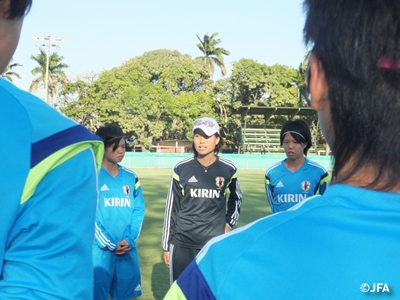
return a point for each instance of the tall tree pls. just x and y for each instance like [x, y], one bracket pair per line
[155, 96]
[173, 71]
[8, 71]
[258, 84]
[211, 53]
[56, 74]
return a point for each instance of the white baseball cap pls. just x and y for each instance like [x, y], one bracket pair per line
[208, 125]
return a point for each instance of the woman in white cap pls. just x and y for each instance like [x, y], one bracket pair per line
[196, 208]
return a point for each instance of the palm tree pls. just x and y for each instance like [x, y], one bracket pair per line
[211, 53]
[9, 73]
[56, 74]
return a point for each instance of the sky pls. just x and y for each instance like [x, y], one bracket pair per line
[100, 35]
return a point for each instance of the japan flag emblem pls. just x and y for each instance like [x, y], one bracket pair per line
[305, 186]
[126, 190]
[219, 181]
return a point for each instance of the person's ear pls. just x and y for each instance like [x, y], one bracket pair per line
[317, 83]
[217, 140]
[4, 8]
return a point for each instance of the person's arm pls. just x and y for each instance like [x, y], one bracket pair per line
[171, 210]
[52, 235]
[102, 238]
[269, 190]
[234, 202]
[137, 215]
[323, 183]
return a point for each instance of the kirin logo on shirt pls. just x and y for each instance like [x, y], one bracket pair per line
[126, 190]
[305, 186]
[219, 181]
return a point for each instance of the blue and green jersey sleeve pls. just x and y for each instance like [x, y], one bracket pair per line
[49, 196]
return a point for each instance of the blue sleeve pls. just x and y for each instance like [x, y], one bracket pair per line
[137, 215]
[269, 190]
[323, 183]
[102, 238]
[191, 285]
[49, 247]
[49, 195]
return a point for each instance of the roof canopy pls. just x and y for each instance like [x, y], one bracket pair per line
[270, 111]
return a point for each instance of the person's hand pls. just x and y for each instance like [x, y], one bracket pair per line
[227, 228]
[166, 258]
[122, 248]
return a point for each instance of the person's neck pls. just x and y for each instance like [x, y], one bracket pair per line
[294, 165]
[207, 160]
[366, 177]
[111, 167]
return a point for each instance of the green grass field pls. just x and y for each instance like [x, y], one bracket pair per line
[155, 182]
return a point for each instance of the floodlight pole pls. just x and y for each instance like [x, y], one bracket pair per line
[298, 93]
[49, 43]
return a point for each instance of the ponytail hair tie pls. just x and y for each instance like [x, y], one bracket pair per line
[386, 63]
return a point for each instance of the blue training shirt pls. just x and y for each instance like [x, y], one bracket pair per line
[121, 209]
[342, 245]
[285, 188]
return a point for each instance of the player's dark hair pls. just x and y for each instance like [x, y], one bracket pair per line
[18, 8]
[301, 127]
[217, 149]
[111, 135]
[358, 44]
